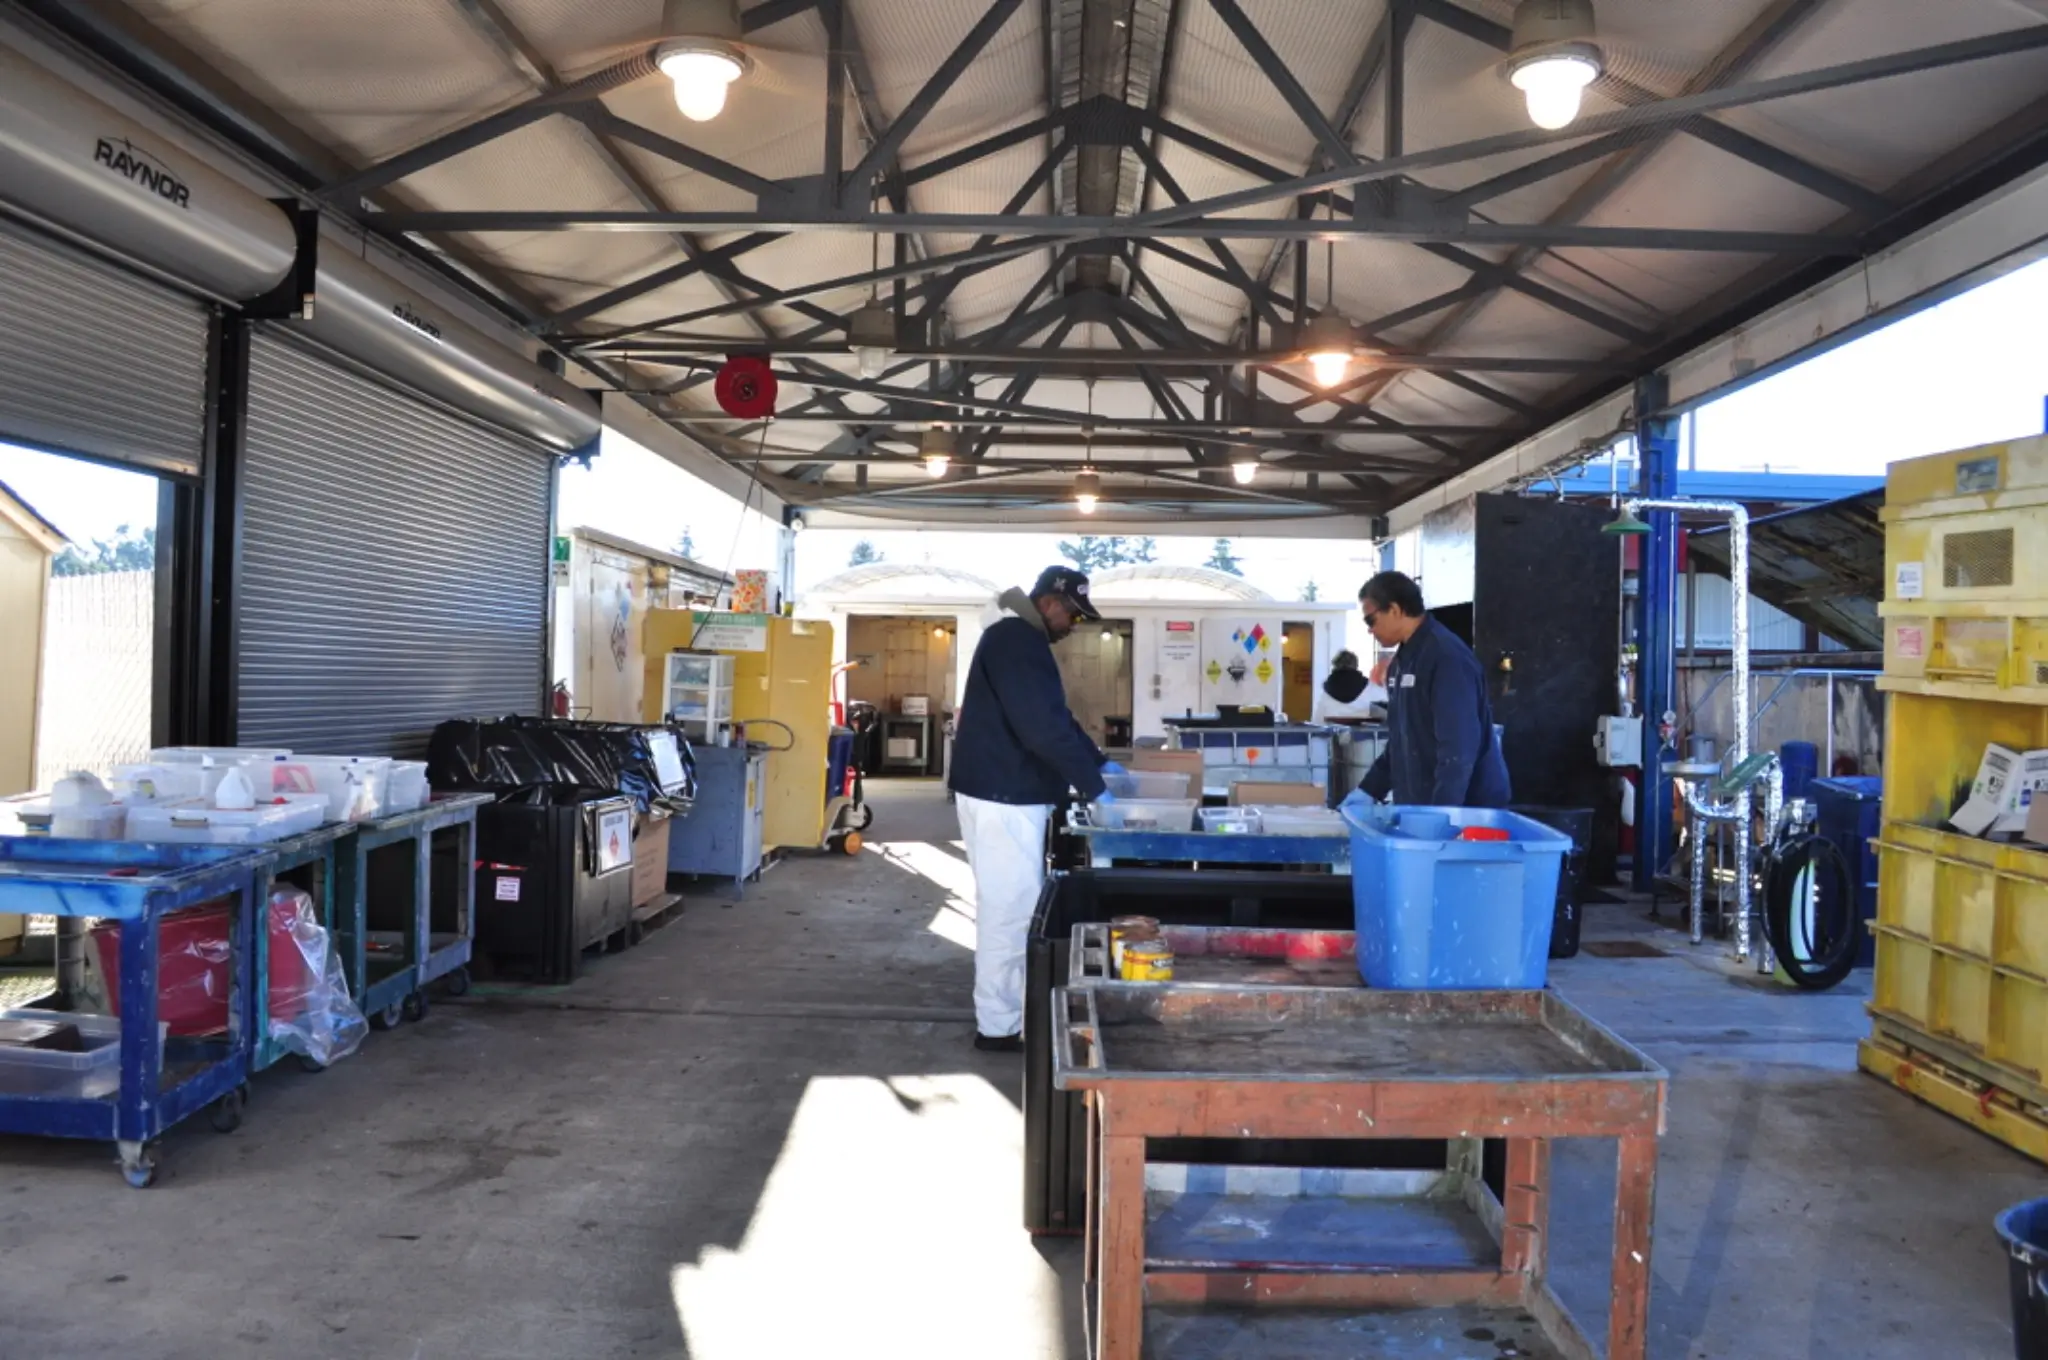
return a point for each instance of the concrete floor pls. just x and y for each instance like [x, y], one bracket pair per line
[764, 1133]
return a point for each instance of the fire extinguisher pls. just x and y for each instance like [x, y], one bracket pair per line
[558, 701]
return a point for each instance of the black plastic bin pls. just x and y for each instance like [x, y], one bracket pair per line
[1578, 824]
[1056, 1122]
[2024, 1230]
[548, 883]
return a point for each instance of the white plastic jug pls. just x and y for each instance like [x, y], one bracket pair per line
[78, 806]
[234, 793]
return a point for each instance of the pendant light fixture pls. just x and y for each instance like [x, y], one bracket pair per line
[701, 54]
[871, 329]
[1328, 341]
[1088, 484]
[1554, 58]
[936, 446]
[1244, 467]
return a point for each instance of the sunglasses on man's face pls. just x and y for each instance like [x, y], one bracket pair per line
[1373, 620]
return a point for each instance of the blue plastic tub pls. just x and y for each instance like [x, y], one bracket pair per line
[1800, 761]
[1435, 913]
[1850, 814]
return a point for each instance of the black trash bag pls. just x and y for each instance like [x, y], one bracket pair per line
[516, 756]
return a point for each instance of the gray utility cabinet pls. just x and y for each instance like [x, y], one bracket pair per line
[721, 835]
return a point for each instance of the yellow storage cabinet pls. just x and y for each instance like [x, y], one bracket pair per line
[786, 680]
[1960, 999]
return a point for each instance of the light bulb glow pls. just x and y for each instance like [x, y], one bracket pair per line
[935, 465]
[1329, 366]
[1244, 470]
[1085, 503]
[1554, 86]
[701, 77]
[873, 359]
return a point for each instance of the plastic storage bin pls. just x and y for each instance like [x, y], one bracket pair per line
[1144, 814]
[1301, 821]
[92, 1072]
[196, 823]
[408, 790]
[1437, 913]
[1231, 821]
[1151, 785]
[356, 787]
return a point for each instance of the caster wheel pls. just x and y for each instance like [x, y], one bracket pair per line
[851, 843]
[414, 1007]
[388, 1017]
[457, 982]
[138, 1165]
[309, 1064]
[227, 1111]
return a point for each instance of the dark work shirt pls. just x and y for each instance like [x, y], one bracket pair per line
[1441, 749]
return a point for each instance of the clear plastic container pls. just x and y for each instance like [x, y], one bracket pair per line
[408, 791]
[1302, 821]
[1230, 821]
[194, 822]
[159, 781]
[356, 787]
[1147, 784]
[94, 1071]
[1144, 814]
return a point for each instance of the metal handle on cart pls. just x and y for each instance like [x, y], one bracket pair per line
[1079, 819]
[1089, 1027]
[1096, 948]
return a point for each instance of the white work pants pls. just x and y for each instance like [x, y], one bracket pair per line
[1006, 850]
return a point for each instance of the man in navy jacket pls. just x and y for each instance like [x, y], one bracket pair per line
[1015, 754]
[1441, 749]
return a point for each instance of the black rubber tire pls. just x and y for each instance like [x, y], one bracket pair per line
[1817, 963]
[867, 818]
[389, 1017]
[414, 1007]
[226, 1115]
[457, 982]
[308, 1063]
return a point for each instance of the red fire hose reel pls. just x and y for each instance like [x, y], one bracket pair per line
[746, 387]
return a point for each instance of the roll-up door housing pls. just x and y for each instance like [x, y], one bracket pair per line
[394, 561]
[97, 360]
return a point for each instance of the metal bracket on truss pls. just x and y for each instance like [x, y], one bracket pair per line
[1403, 201]
[810, 198]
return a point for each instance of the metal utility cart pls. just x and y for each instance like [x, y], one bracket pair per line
[158, 1081]
[408, 918]
[1424, 1264]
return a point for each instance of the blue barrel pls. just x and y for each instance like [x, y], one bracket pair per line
[1436, 912]
[2024, 1230]
[1801, 761]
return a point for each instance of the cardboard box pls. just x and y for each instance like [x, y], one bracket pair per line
[2037, 823]
[1187, 763]
[650, 860]
[1249, 794]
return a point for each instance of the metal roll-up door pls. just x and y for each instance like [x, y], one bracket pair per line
[394, 563]
[97, 360]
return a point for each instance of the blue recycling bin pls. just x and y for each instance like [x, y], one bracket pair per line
[1849, 812]
[1438, 913]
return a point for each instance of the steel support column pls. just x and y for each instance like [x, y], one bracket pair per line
[1656, 618]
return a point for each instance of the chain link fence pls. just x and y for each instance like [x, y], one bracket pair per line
[97, 655]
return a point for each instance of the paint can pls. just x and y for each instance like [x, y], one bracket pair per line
[1147, 961]
[1126, 928]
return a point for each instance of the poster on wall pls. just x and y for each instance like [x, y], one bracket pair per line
[730, 633]
[1180, 643]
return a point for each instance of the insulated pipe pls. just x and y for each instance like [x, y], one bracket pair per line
[1738, 809]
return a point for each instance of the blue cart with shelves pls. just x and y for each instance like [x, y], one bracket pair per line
[161, 1080]
[311, 862]
[406, 898]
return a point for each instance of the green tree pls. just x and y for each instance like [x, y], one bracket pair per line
[686, 546]
[127, 550]
[1221, 558]
[1093, 554]
[864, 553]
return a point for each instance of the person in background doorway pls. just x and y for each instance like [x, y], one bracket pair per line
[1017, 752]
[1441, 747]
[1347, 695]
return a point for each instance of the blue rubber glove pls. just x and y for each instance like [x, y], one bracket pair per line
[1358, 804]
[1106, 797]
[1111, 767]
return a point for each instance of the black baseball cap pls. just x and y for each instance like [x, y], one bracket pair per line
[1070, 586]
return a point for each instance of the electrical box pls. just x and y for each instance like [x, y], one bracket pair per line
[1618, 744]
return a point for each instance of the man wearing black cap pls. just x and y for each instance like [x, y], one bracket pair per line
[1016, 753]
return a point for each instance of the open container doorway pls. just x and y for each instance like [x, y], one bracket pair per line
[906, 667]
[1095, 667]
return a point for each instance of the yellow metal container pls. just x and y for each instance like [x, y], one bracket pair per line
[785, 687]
[1960, 999]
[1966, 569]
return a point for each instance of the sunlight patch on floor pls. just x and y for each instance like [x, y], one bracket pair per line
[954, 920]
[889, 1226]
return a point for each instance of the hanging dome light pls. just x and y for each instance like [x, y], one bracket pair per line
[1087, 491]
[871, 335]
[1554, 58]
[1245, 467]
[936, 446]
[1328, 345]
[701, 54]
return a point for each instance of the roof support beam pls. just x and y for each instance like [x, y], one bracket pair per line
[1281, 79]
[942, 80]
